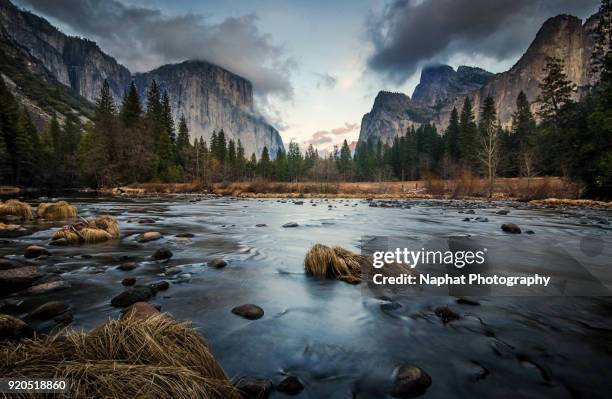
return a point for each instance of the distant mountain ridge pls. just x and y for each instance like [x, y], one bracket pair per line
[441, 88]
[210, 97]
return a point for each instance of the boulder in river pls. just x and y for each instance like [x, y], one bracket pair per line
[217, 263]
[290, 385]
[127, 266]
[149, 236]
[248, 311]
[49, 310]
[290, 224]
[162, 254]
[511, 228]
[46, 287]
[132, 295]
[34, 251]
[409, 382]
[159, 286]
[253, 387]
[15, 279]
[128, 281]
[13, 329]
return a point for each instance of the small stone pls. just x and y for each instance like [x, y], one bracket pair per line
[127, 266]
[49, 310]
[502, 212]
[511, 228]
[162, 253]
[128, 281]
[299, 202]
[34, 251]
[13, 329]
[253, 387]
[470, 212]
[529, 232]
[149, 236]
[146, 221]
[467, 219]
[290, 385]
[132, 295]
[290, 224]
[160, 285]
[446, 314]
[171, 271]
[482, 219]
[185, 235]
[248, 311]
[47, 287]
[217, 263]
[409, 382]
[260, 225]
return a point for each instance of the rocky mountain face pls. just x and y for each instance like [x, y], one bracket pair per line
[210, 97]
[441, 84]
[391, 115]
[441, 88]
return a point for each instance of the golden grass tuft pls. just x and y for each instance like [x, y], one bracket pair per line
[90, 231]
[333, 262]
[60, 210]
[154, 357]
[15, 207]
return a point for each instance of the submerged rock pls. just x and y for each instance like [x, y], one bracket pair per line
[409, 382]
[34, 251]
[149, 236]
[160, 286]
[217, 263]
[132, 295]
[446, 314]
[128, 281]
[162, 253]
[127, 266]
[248, 311]
[13, 329]
[290, 385]
[253, 387]
[185, 235]
[49, 310]
[511, 228]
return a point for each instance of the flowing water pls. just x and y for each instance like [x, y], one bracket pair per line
[339, 340]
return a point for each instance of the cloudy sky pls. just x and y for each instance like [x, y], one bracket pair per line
[316, 66]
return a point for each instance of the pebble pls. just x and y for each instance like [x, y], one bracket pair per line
[511, 228]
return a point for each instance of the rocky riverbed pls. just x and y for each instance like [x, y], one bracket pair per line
[235, 268]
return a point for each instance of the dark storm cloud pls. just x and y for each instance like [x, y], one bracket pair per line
[143, 38]
[409, 33]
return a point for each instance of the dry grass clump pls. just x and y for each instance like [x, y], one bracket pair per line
[15, 207]
[154, 357]
[334, 262]
[572, 202]
[59, 210]
[90, 231]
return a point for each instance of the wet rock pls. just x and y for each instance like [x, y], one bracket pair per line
[127, 266]
[482, 219]
[146, 221]
[511, 228]
[290, 385]
[128, 281]
[162, 253]
[13, 329]
[467, 301]
[409, 382]
[260, 225]
[185, 235]
[159, 285]
[217, 263]
[149, 236]
[290, 224]
[140, 310]
[34, 251]
[298, 202]
[49, 310]
[64, 319]
[253, 387]
[467, 219]
[171, 271]
[529, 232]
[47, 287]
[470, 212]
[446, 314]
[6, 263]
[502, 212]
[132, 295]
[248, 311]
[15, 279]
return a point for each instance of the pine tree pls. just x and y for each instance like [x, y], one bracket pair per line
[5, 166]
[105, 104]
[522, 137]
[130, 107]
[9, 116]
[467, 134]
[555, 91]
[167, 120]
[24, 149]
[344, 160]
[451, 136]
[240, 160]
[264, 164]
[294, 161]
